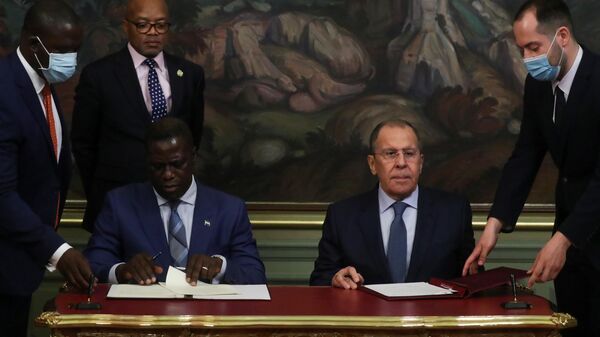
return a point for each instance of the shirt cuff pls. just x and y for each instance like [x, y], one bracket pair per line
[112, 274]
[217, 279]
[51, 266]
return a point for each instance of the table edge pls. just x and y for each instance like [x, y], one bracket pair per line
[53, 319]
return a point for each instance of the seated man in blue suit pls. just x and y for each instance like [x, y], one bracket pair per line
[398, 232]
[173, 221]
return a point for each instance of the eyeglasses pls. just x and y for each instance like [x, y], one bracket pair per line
[409, 155]
[144, 27]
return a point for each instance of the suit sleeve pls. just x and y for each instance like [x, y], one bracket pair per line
[104, 247]
[329, 260]
[86, 127]
[243, 262]
[18, 222]
[521, 168]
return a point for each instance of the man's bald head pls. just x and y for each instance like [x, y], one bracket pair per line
[49, 15]
[135, 6]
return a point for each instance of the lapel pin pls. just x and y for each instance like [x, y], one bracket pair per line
[207, 223]
[179, 73]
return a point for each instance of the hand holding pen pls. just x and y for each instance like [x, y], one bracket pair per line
[140, 269]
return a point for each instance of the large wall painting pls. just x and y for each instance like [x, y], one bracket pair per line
[294, 87]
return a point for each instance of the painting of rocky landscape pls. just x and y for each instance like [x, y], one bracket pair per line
[294, 87]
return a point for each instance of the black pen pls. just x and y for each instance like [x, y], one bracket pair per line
[156, 256]
[90, 287]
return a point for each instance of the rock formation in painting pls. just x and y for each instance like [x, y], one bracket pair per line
[303, 61]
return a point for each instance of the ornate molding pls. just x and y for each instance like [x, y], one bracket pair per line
[56, 320]
[310, 216]
[564, 320]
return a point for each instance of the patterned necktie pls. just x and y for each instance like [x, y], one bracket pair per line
[47, 99]
[177, 240]
[559, 108]
[396, 252]
[159, 103]
[47, 95]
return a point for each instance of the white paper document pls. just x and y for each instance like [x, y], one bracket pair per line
[176, 283]
[411, 289]
[177, 287]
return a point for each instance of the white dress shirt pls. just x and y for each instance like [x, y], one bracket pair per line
[386, 216]
[186, 213]
[142, 73]
[38, 84]
[566, 82]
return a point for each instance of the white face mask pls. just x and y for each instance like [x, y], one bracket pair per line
[60, 66]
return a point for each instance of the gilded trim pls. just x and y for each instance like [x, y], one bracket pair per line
[310, 216]
[56, 320]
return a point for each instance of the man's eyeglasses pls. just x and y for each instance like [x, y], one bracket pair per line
[391, 155]
[144, 27]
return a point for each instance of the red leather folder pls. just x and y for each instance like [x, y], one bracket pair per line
[465, 286]
[485, 280]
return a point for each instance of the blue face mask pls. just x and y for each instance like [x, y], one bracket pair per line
[60, 66]
[540, 68]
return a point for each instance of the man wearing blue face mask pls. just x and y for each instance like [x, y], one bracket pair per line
[35, 165]
[561, 115]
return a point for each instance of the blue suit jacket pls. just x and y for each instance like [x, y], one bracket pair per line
[30, 182]
[352, 237]
[130, 223]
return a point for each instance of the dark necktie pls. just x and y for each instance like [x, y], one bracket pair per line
[159, 103]
[177, 240]
[559, 108]
[396, 252]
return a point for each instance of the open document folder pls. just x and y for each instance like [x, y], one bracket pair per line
[438, 288]
[177, 287]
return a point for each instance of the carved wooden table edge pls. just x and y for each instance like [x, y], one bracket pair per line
[57, 320]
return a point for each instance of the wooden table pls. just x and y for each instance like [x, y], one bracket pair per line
[304, 311]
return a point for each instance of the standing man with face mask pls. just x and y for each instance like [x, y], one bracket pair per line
[118, 97]
[35, 165]
[561, 115]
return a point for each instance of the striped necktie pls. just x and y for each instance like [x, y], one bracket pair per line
[177, 240]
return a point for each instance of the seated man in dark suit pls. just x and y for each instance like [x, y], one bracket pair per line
[174, 220]
[398, 232]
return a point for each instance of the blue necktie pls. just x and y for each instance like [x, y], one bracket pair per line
[159, 103]
[177, 240]
[396, 252]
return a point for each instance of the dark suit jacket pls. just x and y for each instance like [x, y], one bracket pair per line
[575, 152]
[130, 223]
[352, 237]
[110, 120]
[30, 182]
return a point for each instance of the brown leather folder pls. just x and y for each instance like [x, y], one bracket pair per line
[466, 286]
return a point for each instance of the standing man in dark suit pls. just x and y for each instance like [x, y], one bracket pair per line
[119, 95]
[35, 165]
[173, 220]
[398, 232]
[561, 115]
